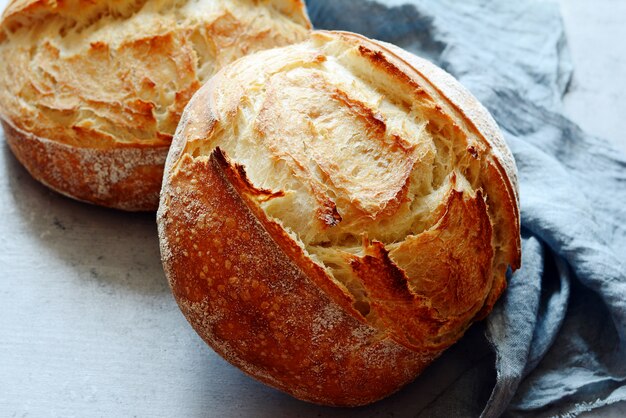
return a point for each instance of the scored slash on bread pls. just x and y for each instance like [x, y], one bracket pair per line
[336, 213]
[91, 91]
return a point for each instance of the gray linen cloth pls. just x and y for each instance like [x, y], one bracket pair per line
[559, 331]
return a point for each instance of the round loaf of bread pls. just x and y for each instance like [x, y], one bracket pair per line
[91, 91]
[335, 214]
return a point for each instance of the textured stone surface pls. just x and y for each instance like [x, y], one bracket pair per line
[596, 99]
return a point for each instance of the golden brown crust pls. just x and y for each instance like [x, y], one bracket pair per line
[355, 188]
[105, 75]
[257, 300]
[483, 125]
[125, 178]
[501, 170]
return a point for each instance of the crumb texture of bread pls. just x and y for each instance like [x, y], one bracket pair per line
[117, 74]
[369, 197]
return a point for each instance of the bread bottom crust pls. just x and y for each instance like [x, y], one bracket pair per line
[127, 178]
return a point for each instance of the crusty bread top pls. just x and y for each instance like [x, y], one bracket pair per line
[102, 74]
[382, 169]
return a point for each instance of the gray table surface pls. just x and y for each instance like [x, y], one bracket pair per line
[597, 38]
[87, 323]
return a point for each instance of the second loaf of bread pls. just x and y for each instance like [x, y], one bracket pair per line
[335, 214]
[91, 91]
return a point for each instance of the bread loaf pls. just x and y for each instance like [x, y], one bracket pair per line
[91, 91]
[335, 214]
